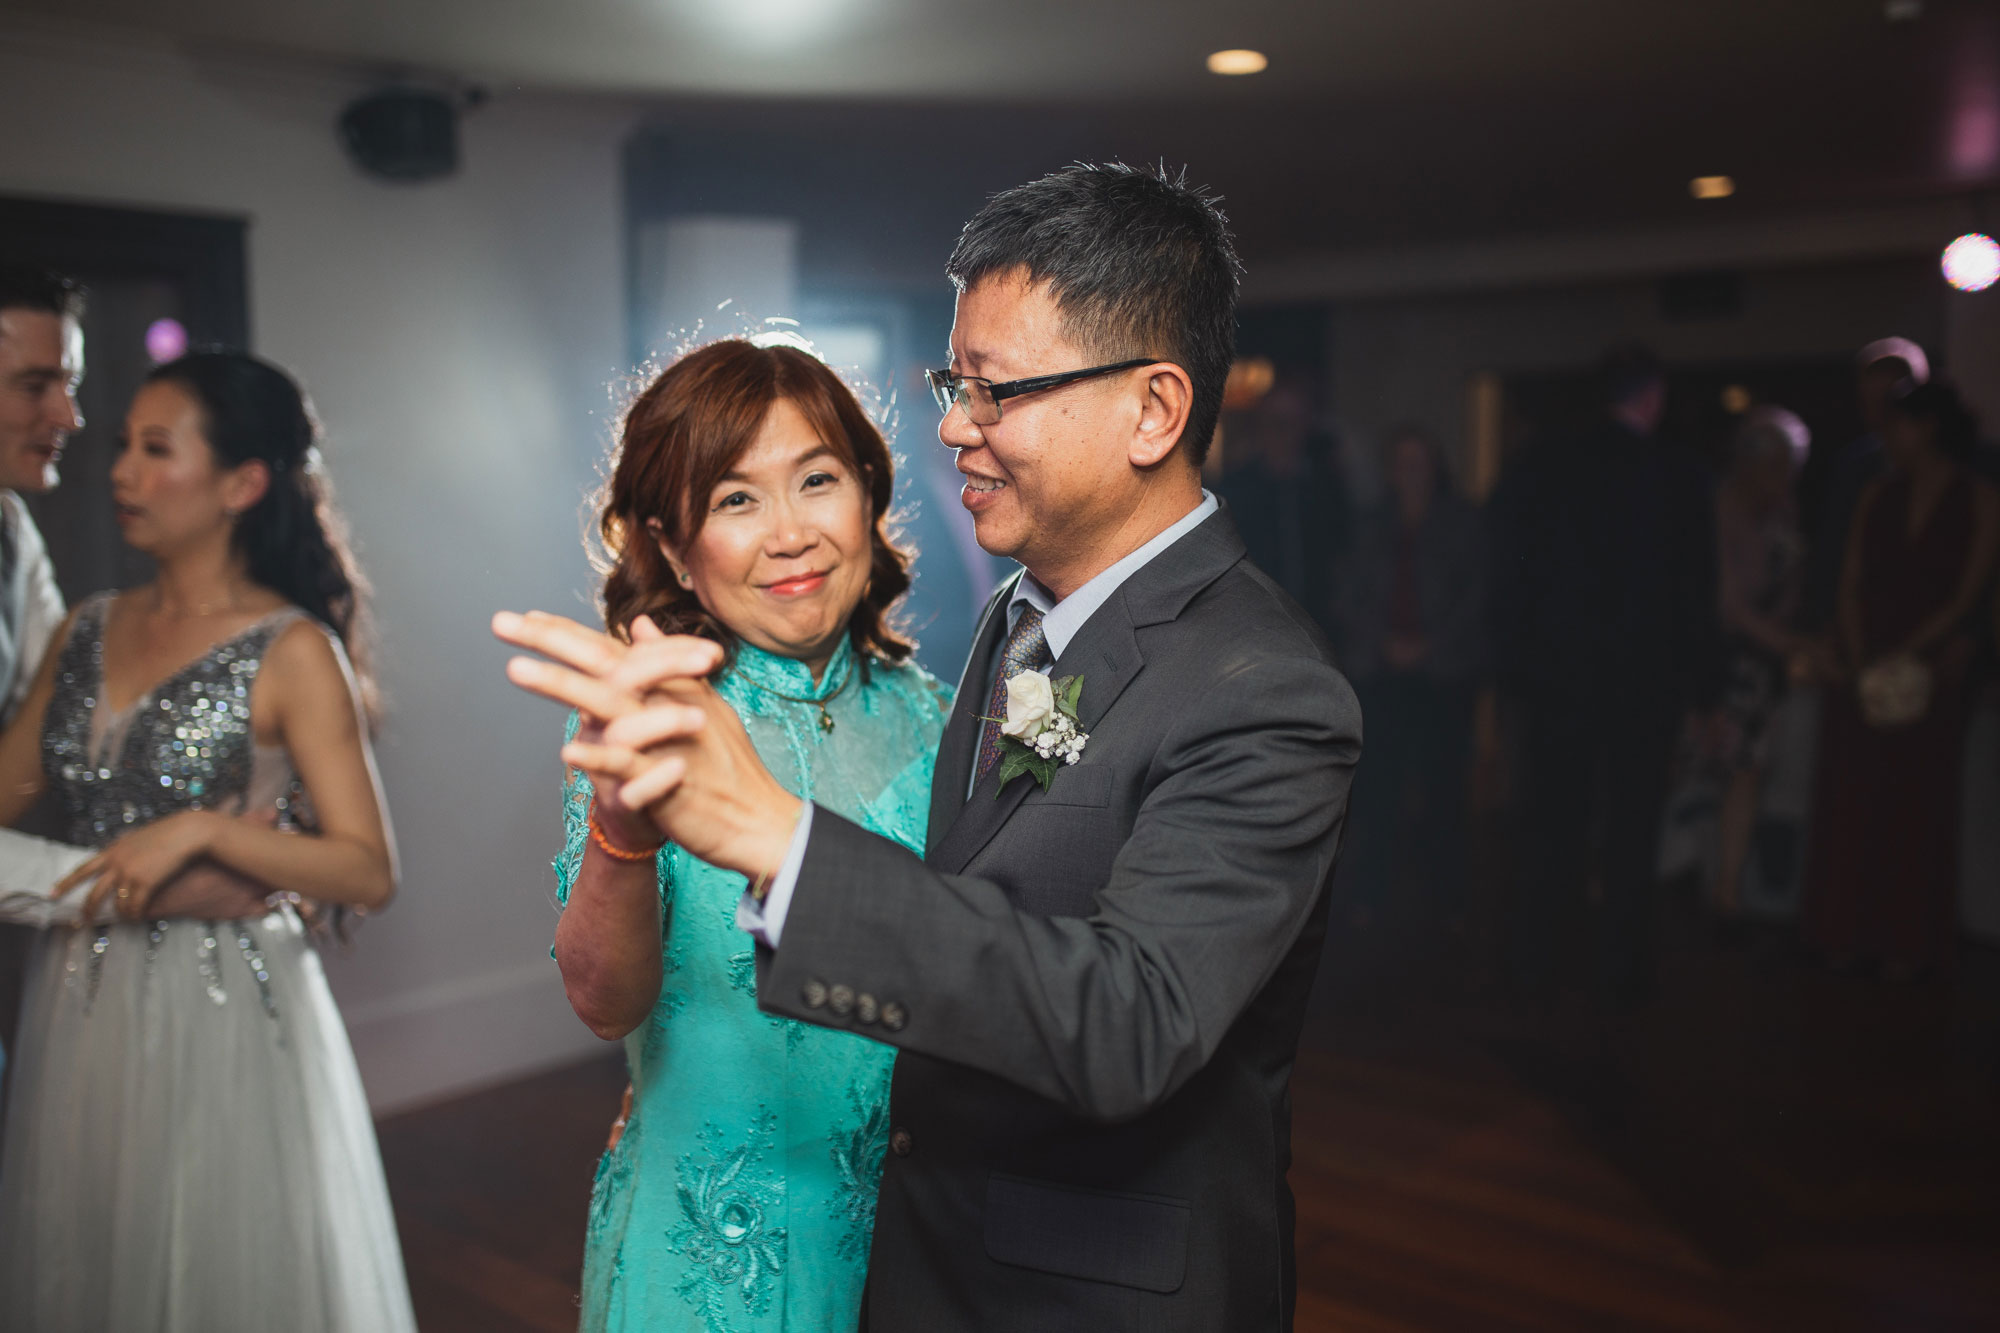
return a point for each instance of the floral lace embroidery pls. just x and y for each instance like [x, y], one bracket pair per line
[729, 1232]
[576, 826]
[720, 1238]
[614, 1173]
[857, 1166]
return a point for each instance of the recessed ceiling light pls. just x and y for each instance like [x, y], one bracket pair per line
[1712, 187]
[1237, 61]
[1972, 262]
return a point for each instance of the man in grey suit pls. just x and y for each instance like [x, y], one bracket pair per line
[1097, 984]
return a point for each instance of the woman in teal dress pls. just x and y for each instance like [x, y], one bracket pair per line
[748, 502]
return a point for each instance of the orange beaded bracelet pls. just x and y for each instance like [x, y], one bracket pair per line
[612, 849]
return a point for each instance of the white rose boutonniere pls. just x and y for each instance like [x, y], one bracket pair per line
[1031, 702]
[1040, 733]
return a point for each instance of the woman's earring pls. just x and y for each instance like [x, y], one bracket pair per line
[687, 579]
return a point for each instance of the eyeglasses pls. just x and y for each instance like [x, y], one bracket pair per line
[981, 399]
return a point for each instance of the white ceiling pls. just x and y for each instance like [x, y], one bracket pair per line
[1071, 50]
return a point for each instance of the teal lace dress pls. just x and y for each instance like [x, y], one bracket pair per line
[742, 1195]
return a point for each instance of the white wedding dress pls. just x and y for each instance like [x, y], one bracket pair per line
[188, 1149]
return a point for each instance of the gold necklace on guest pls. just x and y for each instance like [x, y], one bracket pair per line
[825, 718]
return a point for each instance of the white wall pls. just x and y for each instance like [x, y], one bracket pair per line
[459, 339]
[708, 276]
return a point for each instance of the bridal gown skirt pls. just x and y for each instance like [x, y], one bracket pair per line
[187, 1147]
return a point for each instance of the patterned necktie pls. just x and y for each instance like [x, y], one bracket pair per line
[1027, 650]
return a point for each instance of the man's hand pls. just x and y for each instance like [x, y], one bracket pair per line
[657, 738]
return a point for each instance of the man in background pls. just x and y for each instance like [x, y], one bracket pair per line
[41, 363]
[1287, 497]
[1605, 628]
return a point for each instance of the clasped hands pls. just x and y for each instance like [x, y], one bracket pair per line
[162, 869]
[665, 754]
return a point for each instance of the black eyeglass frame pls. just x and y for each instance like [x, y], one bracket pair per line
[945, 384]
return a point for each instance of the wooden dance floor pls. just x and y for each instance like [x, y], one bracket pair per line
[1769, 1148]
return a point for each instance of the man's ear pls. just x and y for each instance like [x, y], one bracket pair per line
[658, 533]
[1163, 417]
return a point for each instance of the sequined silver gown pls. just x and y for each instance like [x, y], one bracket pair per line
[188, 1147]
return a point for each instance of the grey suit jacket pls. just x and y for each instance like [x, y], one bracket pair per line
[1097, 990]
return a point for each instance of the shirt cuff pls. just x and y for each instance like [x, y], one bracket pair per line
[766, 920]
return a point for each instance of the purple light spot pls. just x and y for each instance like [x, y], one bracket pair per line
[166, 340]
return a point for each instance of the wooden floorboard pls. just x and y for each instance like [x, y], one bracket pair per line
[1768, 1148]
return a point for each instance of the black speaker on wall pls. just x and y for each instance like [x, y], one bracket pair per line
[402, 134]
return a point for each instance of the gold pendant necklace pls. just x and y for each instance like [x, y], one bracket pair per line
[825, 718]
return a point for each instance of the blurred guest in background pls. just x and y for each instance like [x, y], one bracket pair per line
[1882, 881]
[41, 363]
[748, 503]
[1881, 370]
[1759, 553]
[189, 1146]
[1604, 615]
[1411, 614]
[1286, 495]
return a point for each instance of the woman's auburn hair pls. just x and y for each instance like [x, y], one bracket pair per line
[683, 433]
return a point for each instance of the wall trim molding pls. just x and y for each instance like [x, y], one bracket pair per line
[465, 1034]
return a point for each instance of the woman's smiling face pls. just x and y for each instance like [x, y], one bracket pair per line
[785, 545]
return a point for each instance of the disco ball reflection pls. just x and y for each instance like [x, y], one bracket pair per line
[1972, 262]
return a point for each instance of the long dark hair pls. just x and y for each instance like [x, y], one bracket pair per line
[686, 430]
[1957, 429]
[293, 541]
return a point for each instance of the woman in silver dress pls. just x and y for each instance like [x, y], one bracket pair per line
[187, 1143]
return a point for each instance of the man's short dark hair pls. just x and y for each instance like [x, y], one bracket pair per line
[1627, 370]
[1139, 263]
[30, 287]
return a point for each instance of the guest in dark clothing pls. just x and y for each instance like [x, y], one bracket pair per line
[1287, 497]
[1882, 882]
[1604, 599]
[1882, 369]
[1411, 613]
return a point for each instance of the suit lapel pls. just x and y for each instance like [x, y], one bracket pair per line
[1105, 652]
[960, 744]
[1106, 655]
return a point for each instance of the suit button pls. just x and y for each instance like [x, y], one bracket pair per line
[865, 1008]
[813, 993]
[900, 1142]
[840, 999]
[894, 1016]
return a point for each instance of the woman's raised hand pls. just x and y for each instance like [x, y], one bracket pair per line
[661, 739]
